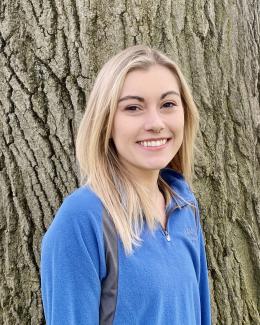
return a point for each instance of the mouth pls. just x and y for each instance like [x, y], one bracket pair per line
[154, 142]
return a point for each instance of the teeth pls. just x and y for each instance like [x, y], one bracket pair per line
[156, 143]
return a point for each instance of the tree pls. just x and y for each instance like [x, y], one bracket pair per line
[50, 53]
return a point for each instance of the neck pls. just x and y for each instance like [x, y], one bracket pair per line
[148, 179]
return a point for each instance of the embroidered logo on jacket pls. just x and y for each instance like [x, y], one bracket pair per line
[191, 233]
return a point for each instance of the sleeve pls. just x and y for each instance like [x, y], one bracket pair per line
[204, 283]
[70, 272]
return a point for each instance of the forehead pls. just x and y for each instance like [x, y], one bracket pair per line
[154, 80]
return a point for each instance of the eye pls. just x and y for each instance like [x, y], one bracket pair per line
[169, 104]
[132, 108]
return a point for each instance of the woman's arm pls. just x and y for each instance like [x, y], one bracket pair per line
[70, 271]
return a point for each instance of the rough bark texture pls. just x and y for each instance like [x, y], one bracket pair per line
[50, 52]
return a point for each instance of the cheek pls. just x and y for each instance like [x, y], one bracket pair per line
[120, 132]
[124, 128]
[177, 123]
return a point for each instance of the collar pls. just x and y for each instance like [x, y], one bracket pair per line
[181, 189]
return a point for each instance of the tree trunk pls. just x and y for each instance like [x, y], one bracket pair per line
[50, 53]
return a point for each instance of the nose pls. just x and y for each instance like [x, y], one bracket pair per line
[153, 120]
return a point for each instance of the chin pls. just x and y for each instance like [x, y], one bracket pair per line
[155, 167]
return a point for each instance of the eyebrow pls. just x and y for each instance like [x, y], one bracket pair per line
[141, 99]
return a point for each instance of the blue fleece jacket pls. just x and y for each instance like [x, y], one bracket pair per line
[164, 281]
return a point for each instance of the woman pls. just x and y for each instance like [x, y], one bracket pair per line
[127, 246]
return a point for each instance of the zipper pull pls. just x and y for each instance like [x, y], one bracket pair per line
[167, 235]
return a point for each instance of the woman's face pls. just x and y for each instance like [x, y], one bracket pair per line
[149, 121]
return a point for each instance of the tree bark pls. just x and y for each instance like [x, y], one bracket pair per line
[50, 53]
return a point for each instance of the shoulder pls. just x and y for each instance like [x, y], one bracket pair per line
[76, 231]
[82, 201]
[80, 214]
[178, 184]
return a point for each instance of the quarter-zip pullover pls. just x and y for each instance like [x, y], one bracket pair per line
[87, 278]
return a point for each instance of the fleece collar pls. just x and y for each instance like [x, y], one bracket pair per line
[179, 185]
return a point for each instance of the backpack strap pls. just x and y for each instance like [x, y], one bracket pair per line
[109, 285]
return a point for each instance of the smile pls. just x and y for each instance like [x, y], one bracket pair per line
[153, 143]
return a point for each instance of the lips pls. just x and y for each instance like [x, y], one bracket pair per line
[153, 142]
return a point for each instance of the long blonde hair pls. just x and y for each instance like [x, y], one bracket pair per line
[127, 202]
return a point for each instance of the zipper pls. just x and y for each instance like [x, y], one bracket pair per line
[165, 231]
[167, 235]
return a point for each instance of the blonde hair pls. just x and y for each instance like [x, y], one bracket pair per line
[126, 201]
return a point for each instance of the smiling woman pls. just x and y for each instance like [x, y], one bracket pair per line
[148, 125]
[119, 250]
